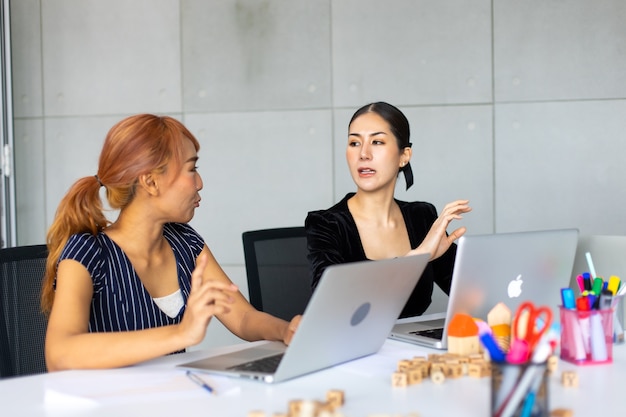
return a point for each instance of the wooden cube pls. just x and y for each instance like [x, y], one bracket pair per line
[438, 377]
[553, 362]
[569, 379]
[399, 379]
[404, 365]
[335, 398]
[414, 376]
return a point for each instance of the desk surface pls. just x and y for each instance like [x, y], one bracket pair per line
[156, 388]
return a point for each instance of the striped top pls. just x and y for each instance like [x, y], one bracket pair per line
[120, 301]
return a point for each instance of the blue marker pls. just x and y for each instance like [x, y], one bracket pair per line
[495, 353]
[567, 297]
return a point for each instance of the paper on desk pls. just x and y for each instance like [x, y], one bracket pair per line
[383, 362]
[130, 385]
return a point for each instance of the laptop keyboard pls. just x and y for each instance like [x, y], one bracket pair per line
[263, 365]
[430, 333]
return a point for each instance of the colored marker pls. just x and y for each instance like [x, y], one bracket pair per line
[567, 297]
[495, 353]
[597, 285]
[586, 281]
[581, 284]
[613, 284]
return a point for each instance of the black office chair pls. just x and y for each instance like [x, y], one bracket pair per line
[277, 270]
[22, 324]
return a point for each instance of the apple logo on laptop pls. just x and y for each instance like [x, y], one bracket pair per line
[360, 313]
[515, 287]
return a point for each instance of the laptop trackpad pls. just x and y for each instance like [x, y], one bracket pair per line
[229, 360]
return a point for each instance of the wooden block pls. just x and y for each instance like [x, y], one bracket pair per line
[455, 371]
[474, 370]
[335, 398]
[553, 362]
[399, 379]
[414, 376]
[404, 365]
[562, 412]
[500, 314]
[437, 377]
[308, 408]
[279, 415]
[476, 357]
[256, 413]
[569, 379]
[294, 408]
[463, 345]
[438, 367]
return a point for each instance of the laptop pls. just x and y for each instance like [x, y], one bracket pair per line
[505, 267]
[608, 257]
[349, 316]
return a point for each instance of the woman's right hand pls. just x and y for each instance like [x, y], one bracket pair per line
[207, 298]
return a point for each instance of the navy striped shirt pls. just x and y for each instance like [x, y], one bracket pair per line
[120, 301]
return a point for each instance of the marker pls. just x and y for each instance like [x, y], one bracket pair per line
[495, 353]
[567, 297]
[597, 285]
[606, 300]
[613, 284]
[582, 305]
[199, 381]
[586, 281]
[581, 284]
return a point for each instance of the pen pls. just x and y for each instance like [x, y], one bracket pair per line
[199, 381]
[592, 269]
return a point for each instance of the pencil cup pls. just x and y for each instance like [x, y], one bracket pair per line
[618, 320]
[519, 390]
[586, 336]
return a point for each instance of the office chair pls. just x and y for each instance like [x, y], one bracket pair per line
[22, 324]
[278, 270]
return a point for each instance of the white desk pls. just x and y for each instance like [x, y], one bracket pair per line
[156, 389]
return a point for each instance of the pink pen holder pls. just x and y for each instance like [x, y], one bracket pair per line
[586, 336]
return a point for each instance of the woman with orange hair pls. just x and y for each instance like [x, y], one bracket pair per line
[146, 284]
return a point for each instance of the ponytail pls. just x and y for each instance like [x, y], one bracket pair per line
[80, 211]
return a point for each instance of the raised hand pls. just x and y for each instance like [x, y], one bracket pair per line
[437, 242]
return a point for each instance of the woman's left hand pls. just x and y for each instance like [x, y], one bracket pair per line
[437, 242]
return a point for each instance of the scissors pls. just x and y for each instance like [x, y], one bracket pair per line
[531, 322]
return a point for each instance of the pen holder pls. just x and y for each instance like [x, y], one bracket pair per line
[586, 336]
[519, 390]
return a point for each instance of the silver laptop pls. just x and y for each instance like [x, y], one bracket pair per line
[505, 267]
[349, 316]
[608, 257]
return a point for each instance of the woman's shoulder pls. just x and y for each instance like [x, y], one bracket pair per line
[82, 246]
[417, 207]
[337, 210]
